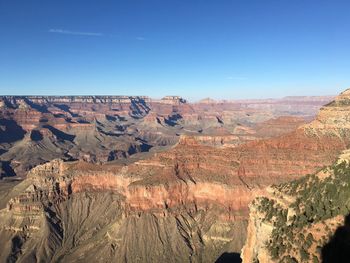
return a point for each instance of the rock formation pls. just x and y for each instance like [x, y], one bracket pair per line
[37, 129]
[296, 221]
[184, 201]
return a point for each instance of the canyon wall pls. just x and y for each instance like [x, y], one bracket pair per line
[302, 220]
[187, 202]
[99, 129]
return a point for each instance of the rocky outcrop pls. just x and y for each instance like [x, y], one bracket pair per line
[292, 222]
[258, 234]
[296, 221]
[333, 119]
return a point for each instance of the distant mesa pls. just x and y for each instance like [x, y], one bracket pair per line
[21, 101]
[207, 101]
[173, 100]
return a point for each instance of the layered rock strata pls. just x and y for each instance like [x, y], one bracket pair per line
[296, 221]
[188, 203]
[37, 129]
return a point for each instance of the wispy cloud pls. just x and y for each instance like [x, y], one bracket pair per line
[77, 33]
[140, 38]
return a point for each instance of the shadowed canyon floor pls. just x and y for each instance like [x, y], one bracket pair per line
[138, 180]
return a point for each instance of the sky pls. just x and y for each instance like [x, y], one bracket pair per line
[220, 49]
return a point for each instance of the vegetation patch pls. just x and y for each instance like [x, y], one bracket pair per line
[316, 200]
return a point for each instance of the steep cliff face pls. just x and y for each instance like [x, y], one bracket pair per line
[295, 221]
[333, 119]
[80, 211]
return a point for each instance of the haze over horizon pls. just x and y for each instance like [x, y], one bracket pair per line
[195, 49]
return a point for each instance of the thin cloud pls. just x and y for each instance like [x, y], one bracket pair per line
[140, 38]
[77, 33]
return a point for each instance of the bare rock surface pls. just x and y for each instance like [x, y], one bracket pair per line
[307, 219]
[99, 129]
[93, 192]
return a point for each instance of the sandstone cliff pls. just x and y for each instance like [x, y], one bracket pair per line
[80, 211]
[295, 221]
[186, 203]
[37, 129]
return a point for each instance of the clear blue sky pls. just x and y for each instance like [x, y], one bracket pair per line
[196, 49]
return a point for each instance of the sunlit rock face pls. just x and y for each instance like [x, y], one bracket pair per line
[99, 129]
[333, 119]
[121, 210]
[185, 202]
[297, 220]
